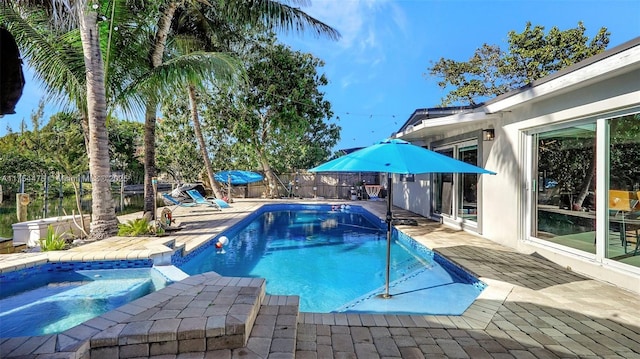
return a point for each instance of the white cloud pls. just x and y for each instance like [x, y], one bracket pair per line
[358, 21]
[399, 18]
[346, 81]
[366, 28]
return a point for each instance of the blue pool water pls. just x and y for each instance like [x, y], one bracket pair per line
[52, 302]
[335, 261]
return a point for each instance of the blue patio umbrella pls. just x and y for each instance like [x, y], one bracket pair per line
[399, 157]
[237, 177]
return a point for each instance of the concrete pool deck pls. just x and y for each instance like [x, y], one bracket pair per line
[531, 308]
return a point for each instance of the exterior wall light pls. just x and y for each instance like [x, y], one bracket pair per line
[488, 135]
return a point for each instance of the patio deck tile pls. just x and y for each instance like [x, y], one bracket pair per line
[531, 307]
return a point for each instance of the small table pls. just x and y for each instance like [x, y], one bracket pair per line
[624, 222]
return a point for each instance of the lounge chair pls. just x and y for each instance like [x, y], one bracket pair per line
[199, 199]
[177, 202]
[220, 202]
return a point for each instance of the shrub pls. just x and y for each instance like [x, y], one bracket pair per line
[135, 227]
[52, 241]
[139, 227]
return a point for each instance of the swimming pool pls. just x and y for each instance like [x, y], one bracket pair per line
[53, 301]
[335, 261]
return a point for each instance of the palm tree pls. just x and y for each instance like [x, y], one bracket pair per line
[104, 222]
[60, 80]
[212, 28]
[192, 72]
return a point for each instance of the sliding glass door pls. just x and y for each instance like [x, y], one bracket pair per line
[468, 188]
[575, 164]
[456, 195]
[443, 188]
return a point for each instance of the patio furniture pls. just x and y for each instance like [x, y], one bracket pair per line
[199, 199]
[625, 223]
[625, 204]
[177, 202]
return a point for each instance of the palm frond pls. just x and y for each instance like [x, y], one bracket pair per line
[60, 14]
[276, 15]
[57, 60]
[171, 78]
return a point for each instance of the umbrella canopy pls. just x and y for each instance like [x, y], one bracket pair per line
[397, 156]
[400, 157]
[238, 177]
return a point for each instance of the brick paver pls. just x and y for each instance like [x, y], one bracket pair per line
[547, 312]
[532, 308]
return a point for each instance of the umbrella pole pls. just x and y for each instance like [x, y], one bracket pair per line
[389, 220]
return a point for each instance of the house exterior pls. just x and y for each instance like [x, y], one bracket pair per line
[566, 150]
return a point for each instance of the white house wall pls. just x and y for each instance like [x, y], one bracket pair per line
[503, 206]
[413, 196]
[502, 194]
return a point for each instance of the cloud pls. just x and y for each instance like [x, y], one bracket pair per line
[368, 30]
[358, 21]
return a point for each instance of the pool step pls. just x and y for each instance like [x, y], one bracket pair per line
[205, 312]
[225, 317]
[274, 332]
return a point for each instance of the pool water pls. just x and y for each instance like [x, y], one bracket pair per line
[56, 301]
[334, 260]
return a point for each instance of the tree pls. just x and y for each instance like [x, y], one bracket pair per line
[49, 63]
[63, 140]
[125, 144]
[531, 55]
[214, 28]
[284, 131]
[179, 158]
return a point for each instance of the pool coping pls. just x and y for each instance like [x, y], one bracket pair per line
[477, 316]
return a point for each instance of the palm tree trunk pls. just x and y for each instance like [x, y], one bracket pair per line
[203, 148]
[149, 161]
[104, 222]
[155, 58]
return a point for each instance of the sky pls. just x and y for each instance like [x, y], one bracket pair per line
[376, 70]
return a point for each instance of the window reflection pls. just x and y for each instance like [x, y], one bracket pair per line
[468, 189]
[566, 186]
[624, 190]
[565, 204]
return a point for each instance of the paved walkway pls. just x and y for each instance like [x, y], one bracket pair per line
[532, 308]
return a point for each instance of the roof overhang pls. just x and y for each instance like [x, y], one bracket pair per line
[434, 127]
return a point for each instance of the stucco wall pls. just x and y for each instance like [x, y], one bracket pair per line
[503, 196]
[504, 193]
[413, 196]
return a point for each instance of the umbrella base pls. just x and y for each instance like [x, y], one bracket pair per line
[385, 296]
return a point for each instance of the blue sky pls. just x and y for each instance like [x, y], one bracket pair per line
[376, 70]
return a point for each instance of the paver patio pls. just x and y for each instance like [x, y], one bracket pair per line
[532, 307]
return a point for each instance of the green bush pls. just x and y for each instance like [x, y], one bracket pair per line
[135, 227]
[139, 227]
[52, 241]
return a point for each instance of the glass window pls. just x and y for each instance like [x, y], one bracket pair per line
[443, 188]
[468, 189]
[564, 200]
[564, 165]
[456, 195]
[624, 190]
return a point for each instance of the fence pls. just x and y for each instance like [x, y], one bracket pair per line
[335, 185]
